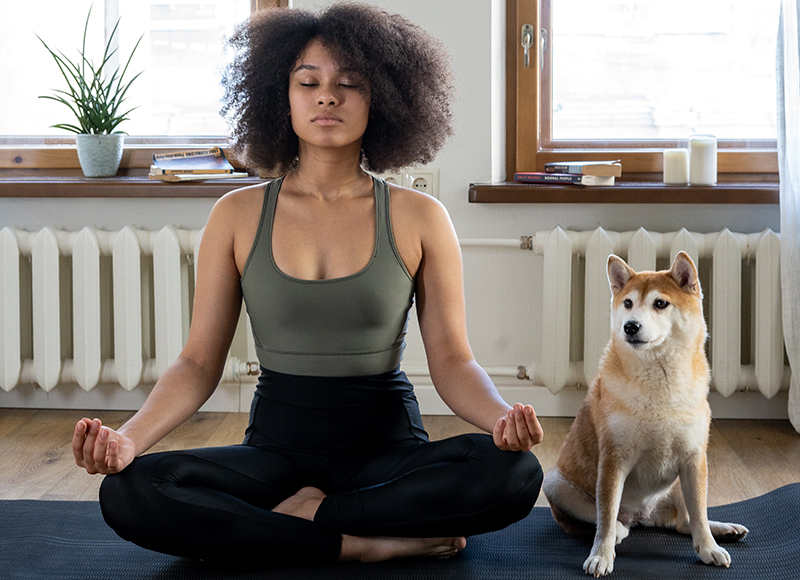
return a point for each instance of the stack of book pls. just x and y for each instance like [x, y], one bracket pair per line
[192, 166]
[576, 172]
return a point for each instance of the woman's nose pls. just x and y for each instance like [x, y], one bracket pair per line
[328, 97]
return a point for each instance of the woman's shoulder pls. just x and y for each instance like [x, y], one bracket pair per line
[235, 205]
[415, 203]
[417, 210]
[235, 209]
[238, 198]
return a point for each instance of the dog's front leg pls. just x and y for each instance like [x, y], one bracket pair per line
[694, 483]
[610, 482]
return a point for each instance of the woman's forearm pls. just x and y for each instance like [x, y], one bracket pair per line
[177, 395]
[469, 392]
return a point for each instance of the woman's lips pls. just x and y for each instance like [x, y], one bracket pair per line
[326, 120]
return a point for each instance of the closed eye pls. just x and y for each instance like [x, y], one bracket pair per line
[660, 304]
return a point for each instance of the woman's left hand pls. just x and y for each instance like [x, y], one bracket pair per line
[519, 430]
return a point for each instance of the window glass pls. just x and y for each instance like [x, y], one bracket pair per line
[661, 70]
[181, 55]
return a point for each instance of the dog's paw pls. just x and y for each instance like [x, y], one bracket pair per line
[622, 532]
[728, 532]
[599, 564]
[714, 555]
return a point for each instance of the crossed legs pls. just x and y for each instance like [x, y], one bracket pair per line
[255, 505]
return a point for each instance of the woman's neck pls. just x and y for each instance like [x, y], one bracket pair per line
[327, 176]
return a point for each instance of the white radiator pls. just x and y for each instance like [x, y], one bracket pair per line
[740, 274]
[113, 308]
[64, 319]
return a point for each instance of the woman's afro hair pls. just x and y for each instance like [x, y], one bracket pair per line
[407, 71]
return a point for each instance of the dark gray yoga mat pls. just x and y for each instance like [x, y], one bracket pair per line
[57, 540]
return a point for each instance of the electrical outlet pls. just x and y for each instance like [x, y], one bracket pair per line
[393, 178]
[424, 179]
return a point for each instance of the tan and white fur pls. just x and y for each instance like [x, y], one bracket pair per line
[636, 453]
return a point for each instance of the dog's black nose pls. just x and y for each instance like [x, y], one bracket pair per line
[631, 328]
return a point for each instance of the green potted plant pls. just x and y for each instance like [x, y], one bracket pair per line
[95, 95]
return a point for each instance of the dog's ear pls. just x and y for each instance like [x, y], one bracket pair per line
[684, 273]
[618, 273]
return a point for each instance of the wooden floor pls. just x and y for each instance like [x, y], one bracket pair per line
[746, 458]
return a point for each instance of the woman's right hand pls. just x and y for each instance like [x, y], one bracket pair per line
[99, 449]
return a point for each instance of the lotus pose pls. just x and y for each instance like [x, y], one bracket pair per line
[335, 463]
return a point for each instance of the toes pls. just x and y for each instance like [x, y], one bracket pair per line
[728, 532]
[598, 566]
[716, 556]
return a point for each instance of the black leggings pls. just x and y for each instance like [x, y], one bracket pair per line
[358, 440]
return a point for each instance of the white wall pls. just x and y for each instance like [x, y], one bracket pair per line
[501, 285]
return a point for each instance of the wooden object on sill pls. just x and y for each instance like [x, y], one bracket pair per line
[643, 189]
[67, 184]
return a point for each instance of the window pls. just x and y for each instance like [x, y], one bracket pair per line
[177, 97]
[628, 79]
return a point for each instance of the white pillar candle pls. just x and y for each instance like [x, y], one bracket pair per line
[702, 160]
[676, 166]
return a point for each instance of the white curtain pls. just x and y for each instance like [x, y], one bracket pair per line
[788, 77]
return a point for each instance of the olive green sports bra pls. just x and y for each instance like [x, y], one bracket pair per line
[349, 326]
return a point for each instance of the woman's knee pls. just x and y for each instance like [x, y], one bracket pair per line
[129, 501]
[516, 473]
[117, 503]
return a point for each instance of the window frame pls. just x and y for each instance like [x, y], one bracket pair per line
[59, 152]
[526, 96]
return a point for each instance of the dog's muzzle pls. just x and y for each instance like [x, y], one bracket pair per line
[631, 329]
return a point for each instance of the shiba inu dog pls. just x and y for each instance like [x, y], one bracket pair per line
[636, 453]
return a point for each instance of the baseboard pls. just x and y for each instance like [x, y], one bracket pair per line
[235, 397]
[228, 398]
[740, 405]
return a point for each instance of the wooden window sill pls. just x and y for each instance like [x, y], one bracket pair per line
[730, 189]
[65, 183]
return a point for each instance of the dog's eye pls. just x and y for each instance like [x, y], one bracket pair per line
[660, 304]
[628, 303]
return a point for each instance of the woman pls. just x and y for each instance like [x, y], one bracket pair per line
[335, 463]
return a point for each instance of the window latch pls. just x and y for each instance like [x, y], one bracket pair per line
[542, 46]
[527, 43]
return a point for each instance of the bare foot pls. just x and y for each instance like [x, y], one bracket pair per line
[303, 504]
[377, 549]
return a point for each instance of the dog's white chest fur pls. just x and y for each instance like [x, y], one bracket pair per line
[651, 449]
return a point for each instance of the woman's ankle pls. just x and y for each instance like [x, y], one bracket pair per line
[378, 549]
[304, 504]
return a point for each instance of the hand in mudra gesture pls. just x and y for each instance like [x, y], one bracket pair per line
[519, 430]
[99, 449]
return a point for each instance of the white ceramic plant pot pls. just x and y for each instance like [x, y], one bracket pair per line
[99, 155]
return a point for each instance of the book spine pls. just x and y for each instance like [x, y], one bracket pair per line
[194, 171]
[547, 178]
[214, 151]
[564, 168]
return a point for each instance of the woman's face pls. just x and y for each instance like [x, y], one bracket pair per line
[329, 105]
